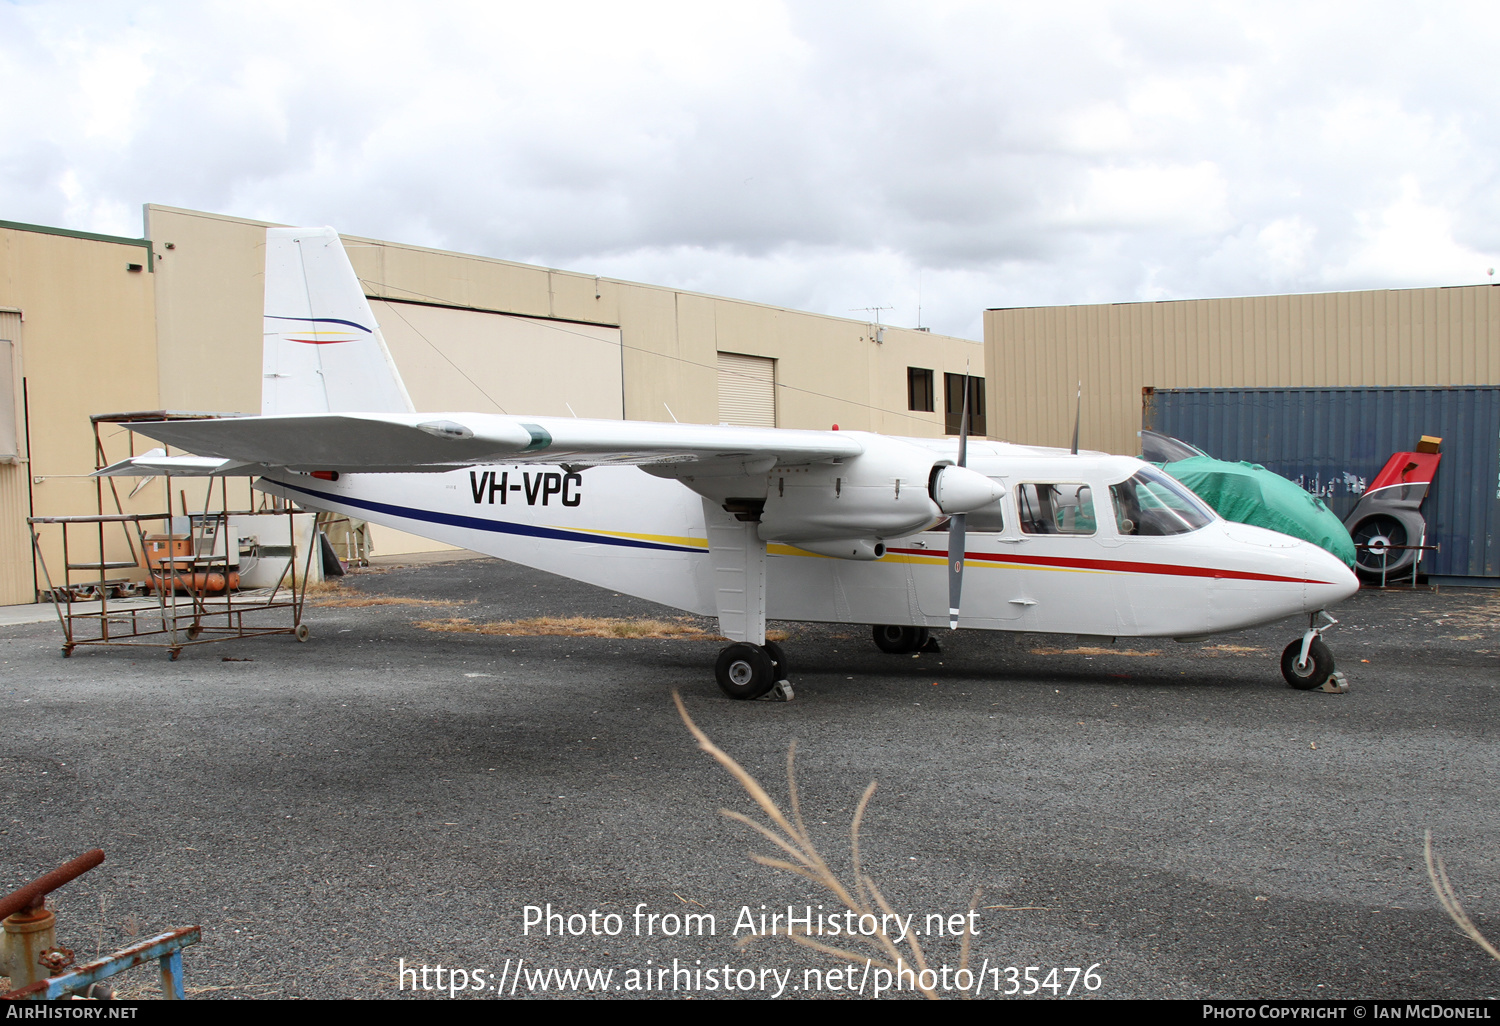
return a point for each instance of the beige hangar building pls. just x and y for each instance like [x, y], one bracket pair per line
[93, 324]
[1036, 357]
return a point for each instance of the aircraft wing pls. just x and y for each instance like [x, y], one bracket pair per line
[408, 442]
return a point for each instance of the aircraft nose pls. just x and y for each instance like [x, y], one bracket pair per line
[1330, 581]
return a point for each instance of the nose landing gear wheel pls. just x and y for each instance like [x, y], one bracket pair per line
[1318, 669]
[745, 671]
[900, 640]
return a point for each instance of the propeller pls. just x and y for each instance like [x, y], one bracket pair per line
[956, 523]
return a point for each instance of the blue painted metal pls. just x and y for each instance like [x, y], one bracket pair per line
[166, 948]
[1333, 441]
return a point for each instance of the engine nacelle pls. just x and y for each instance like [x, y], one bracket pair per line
[885, 492]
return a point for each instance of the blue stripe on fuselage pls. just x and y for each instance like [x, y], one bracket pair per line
[479, 524]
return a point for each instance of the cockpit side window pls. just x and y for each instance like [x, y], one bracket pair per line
[1056, 509]
[1151, 504]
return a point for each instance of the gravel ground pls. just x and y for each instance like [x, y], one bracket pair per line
[1174, 816]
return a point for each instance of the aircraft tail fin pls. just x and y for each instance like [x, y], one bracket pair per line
[323, 351]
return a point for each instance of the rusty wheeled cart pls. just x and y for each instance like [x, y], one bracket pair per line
[193, 576]
[193, 598]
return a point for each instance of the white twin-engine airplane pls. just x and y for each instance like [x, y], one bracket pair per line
[748, 523]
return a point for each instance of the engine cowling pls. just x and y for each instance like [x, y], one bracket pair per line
[892, 489]
[961, 490]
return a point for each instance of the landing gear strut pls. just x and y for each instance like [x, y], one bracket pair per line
[1307, 663]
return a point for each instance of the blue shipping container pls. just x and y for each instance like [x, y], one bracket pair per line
[1333, 441]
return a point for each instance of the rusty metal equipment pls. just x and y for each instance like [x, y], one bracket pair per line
[190, 562]
[188, 608]
[39, 968]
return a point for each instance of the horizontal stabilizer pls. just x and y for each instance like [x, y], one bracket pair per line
[156, 463]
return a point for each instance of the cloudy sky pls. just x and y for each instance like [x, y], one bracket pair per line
[819, 155]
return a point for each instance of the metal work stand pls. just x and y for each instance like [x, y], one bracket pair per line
[194, 589]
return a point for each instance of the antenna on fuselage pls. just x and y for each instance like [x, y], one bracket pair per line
[1077, 417]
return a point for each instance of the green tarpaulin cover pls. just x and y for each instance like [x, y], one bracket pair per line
[1248, 493]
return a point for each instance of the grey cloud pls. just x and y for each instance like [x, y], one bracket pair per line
[819, 155]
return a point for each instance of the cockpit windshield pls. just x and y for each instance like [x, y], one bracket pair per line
[1152, 503]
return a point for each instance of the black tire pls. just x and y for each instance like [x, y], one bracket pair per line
[745, 671]
[1319, 665]
[778, 661]
[1372, 556]
[899, 640]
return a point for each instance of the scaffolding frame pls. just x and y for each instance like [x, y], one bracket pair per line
[187, 610]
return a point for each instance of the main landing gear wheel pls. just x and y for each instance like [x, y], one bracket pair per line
[778, 660]
[900, 640]
[1315, 673]
[746, 671]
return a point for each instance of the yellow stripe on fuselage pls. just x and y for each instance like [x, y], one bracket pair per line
[662, 539]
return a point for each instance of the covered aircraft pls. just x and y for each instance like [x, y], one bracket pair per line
[746, 524]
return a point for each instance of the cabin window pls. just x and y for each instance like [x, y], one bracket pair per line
[1152, 504]
[1056, 509]
[986, 520]
[919, 390]
[989, 520]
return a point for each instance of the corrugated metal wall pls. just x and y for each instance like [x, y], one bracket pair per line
[1333, 441]
[1035, 357]
[16, 584]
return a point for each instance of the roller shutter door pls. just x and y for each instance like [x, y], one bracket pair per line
[747, 390]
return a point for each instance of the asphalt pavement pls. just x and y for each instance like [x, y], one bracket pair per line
[1162, 820]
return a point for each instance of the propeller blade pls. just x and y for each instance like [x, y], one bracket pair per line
[956, 538]
[957, 529]
[963, 427]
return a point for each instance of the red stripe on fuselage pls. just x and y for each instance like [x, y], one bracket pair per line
[1116, 565]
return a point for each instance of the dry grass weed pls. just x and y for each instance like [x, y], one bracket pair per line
[334, 595]
[1448, 898]
[790, 834]
[1470, 614]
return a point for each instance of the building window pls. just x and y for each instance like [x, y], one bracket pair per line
[953, 403]
[919, 390]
